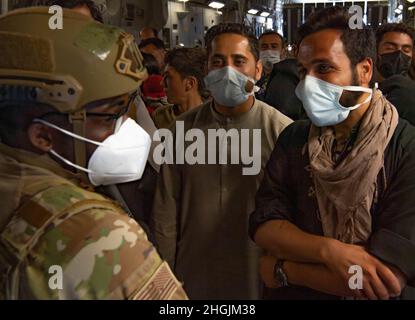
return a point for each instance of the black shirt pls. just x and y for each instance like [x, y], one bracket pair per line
[287, 193]
[400, 91]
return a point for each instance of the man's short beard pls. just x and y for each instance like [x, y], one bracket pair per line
[350, 98]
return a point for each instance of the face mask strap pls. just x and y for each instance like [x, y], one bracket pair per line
[71, 134]
[357, 88]
[69, 163]
[359, 104]
[255, 88]
[78, 122]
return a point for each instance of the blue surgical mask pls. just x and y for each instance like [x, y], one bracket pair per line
[227, 86]
[321, 101]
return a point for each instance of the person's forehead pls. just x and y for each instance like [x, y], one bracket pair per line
[397, 37]
[147, 31]
[170, 70]
[270, 38]
[325, 44]
[230, 43]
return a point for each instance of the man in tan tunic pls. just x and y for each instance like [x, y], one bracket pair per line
[201, 207]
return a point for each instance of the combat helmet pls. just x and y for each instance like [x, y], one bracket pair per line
[66, 68]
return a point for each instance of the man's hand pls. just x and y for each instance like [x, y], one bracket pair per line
[379, 282]
[266, 270]
[314, 276]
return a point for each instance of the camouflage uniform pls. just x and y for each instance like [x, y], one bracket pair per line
[52, 221]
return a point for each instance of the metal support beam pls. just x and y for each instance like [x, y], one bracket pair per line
[4, 6]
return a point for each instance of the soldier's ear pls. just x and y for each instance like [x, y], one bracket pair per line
[40, 136]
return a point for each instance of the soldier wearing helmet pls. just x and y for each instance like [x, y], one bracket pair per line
[64, 99]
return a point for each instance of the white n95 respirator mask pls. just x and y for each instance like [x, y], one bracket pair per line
[120, 158]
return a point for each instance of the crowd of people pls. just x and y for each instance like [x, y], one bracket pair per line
[80, 189]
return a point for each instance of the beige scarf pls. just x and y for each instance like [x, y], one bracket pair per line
[345, 192]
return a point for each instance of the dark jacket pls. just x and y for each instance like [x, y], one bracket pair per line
[280, 92]
[285, 195]
[400, 91]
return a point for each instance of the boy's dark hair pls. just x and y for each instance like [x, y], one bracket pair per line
[272, 32]
[359, 44]
[154, 41]
[70, 4]
[393, 27]
[151, 64]
[189, 62]
[236, 28]
[155, 32]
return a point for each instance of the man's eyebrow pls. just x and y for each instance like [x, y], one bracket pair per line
[390, 43]
[218, 55]
[315, 61]
[239, 56]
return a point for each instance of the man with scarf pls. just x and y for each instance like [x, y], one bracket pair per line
[335, 211]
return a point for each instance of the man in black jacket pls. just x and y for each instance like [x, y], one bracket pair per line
[335, 210]
[394, 43]
[400, 91]
[280, 91]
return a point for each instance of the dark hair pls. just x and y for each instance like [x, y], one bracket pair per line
[359, 44]
[154, 41]
[151, 64]
[235, 28]
[154, 30]
[272, 32]
[189, 62]
[70, 4]
[393, 27]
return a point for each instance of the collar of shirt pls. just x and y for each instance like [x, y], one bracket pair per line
[232, 119]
